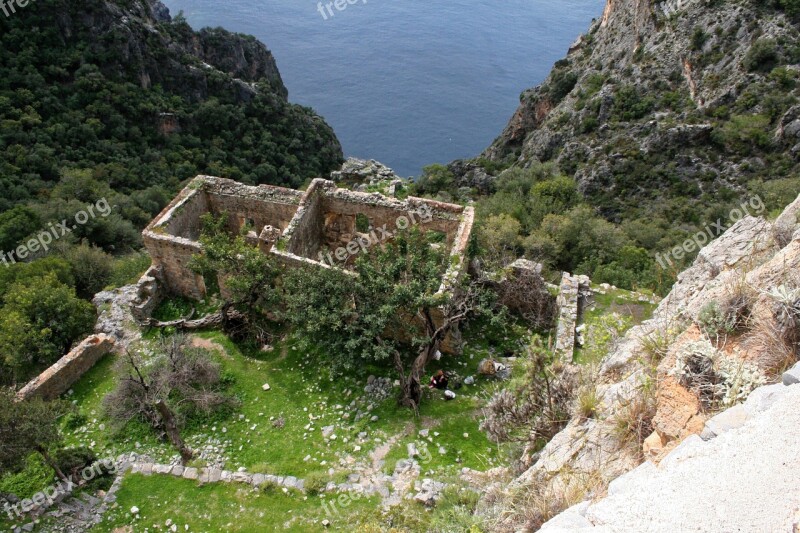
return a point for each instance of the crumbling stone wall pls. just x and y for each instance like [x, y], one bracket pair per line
[172, 237]
[57, 379]
[570, 300]
[305, 233]
[260, 206]
[292, 225]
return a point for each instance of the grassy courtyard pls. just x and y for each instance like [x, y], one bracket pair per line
[302, 399]
[280, 430]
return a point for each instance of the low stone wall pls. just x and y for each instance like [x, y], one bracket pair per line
[57, 379]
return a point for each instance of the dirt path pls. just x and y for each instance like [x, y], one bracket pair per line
[208, 344]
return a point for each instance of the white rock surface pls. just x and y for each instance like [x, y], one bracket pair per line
[742, 480]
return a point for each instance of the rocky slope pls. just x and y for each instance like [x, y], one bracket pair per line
[662, 104]
[153, 49]
[739, 481]
[649, 396]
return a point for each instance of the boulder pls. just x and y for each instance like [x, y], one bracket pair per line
[732, 418]
[487, 367]
[653, 445]
[792, 376]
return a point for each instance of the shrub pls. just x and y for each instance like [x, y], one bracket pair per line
[791, 7]
[629, 104]
[714, 321]
[784, 78]
[539, 408]
[91, 267]
[315, 482]
[699, 38]
[786, 309]
[128, 269]
[434, 179]
[715, 378]
[74, 420]
[35, 476]
[762, 56]
[41, 319]
[72, 460]
[561, 85]
[742, 132]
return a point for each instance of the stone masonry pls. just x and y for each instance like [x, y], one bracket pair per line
[569, 303]
[313, 227]
[57, 379]
[297, 227]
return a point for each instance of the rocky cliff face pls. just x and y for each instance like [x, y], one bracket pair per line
[122, 83]
[663, 99]
[153, 49]
[732, 317]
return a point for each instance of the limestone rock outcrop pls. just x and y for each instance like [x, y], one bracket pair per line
[638, 371]
[631, 111]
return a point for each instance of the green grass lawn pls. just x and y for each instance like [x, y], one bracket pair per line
[609, 317]
[223, 507]
[279, 431]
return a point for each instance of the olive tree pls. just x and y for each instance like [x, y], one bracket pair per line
[387, 310]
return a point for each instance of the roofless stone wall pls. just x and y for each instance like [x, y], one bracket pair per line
[322, 217]
[57, 379]
[295, 226]
[327, 219]
[172, 237]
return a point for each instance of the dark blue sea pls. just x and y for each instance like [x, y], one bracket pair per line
[407, 82]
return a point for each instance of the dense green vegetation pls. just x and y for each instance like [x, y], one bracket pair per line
[85, 130]
[658, 153]
[68, 101]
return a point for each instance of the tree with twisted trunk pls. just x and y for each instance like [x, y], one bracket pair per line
[388, 310]
[247, 277]
[162, 388]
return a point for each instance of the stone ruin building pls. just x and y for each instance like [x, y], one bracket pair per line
[298, 227]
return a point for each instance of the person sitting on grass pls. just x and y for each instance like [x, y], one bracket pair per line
[439, 381]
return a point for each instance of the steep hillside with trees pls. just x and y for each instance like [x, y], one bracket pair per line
[666, 115]
[144, 102]
[111, 105]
